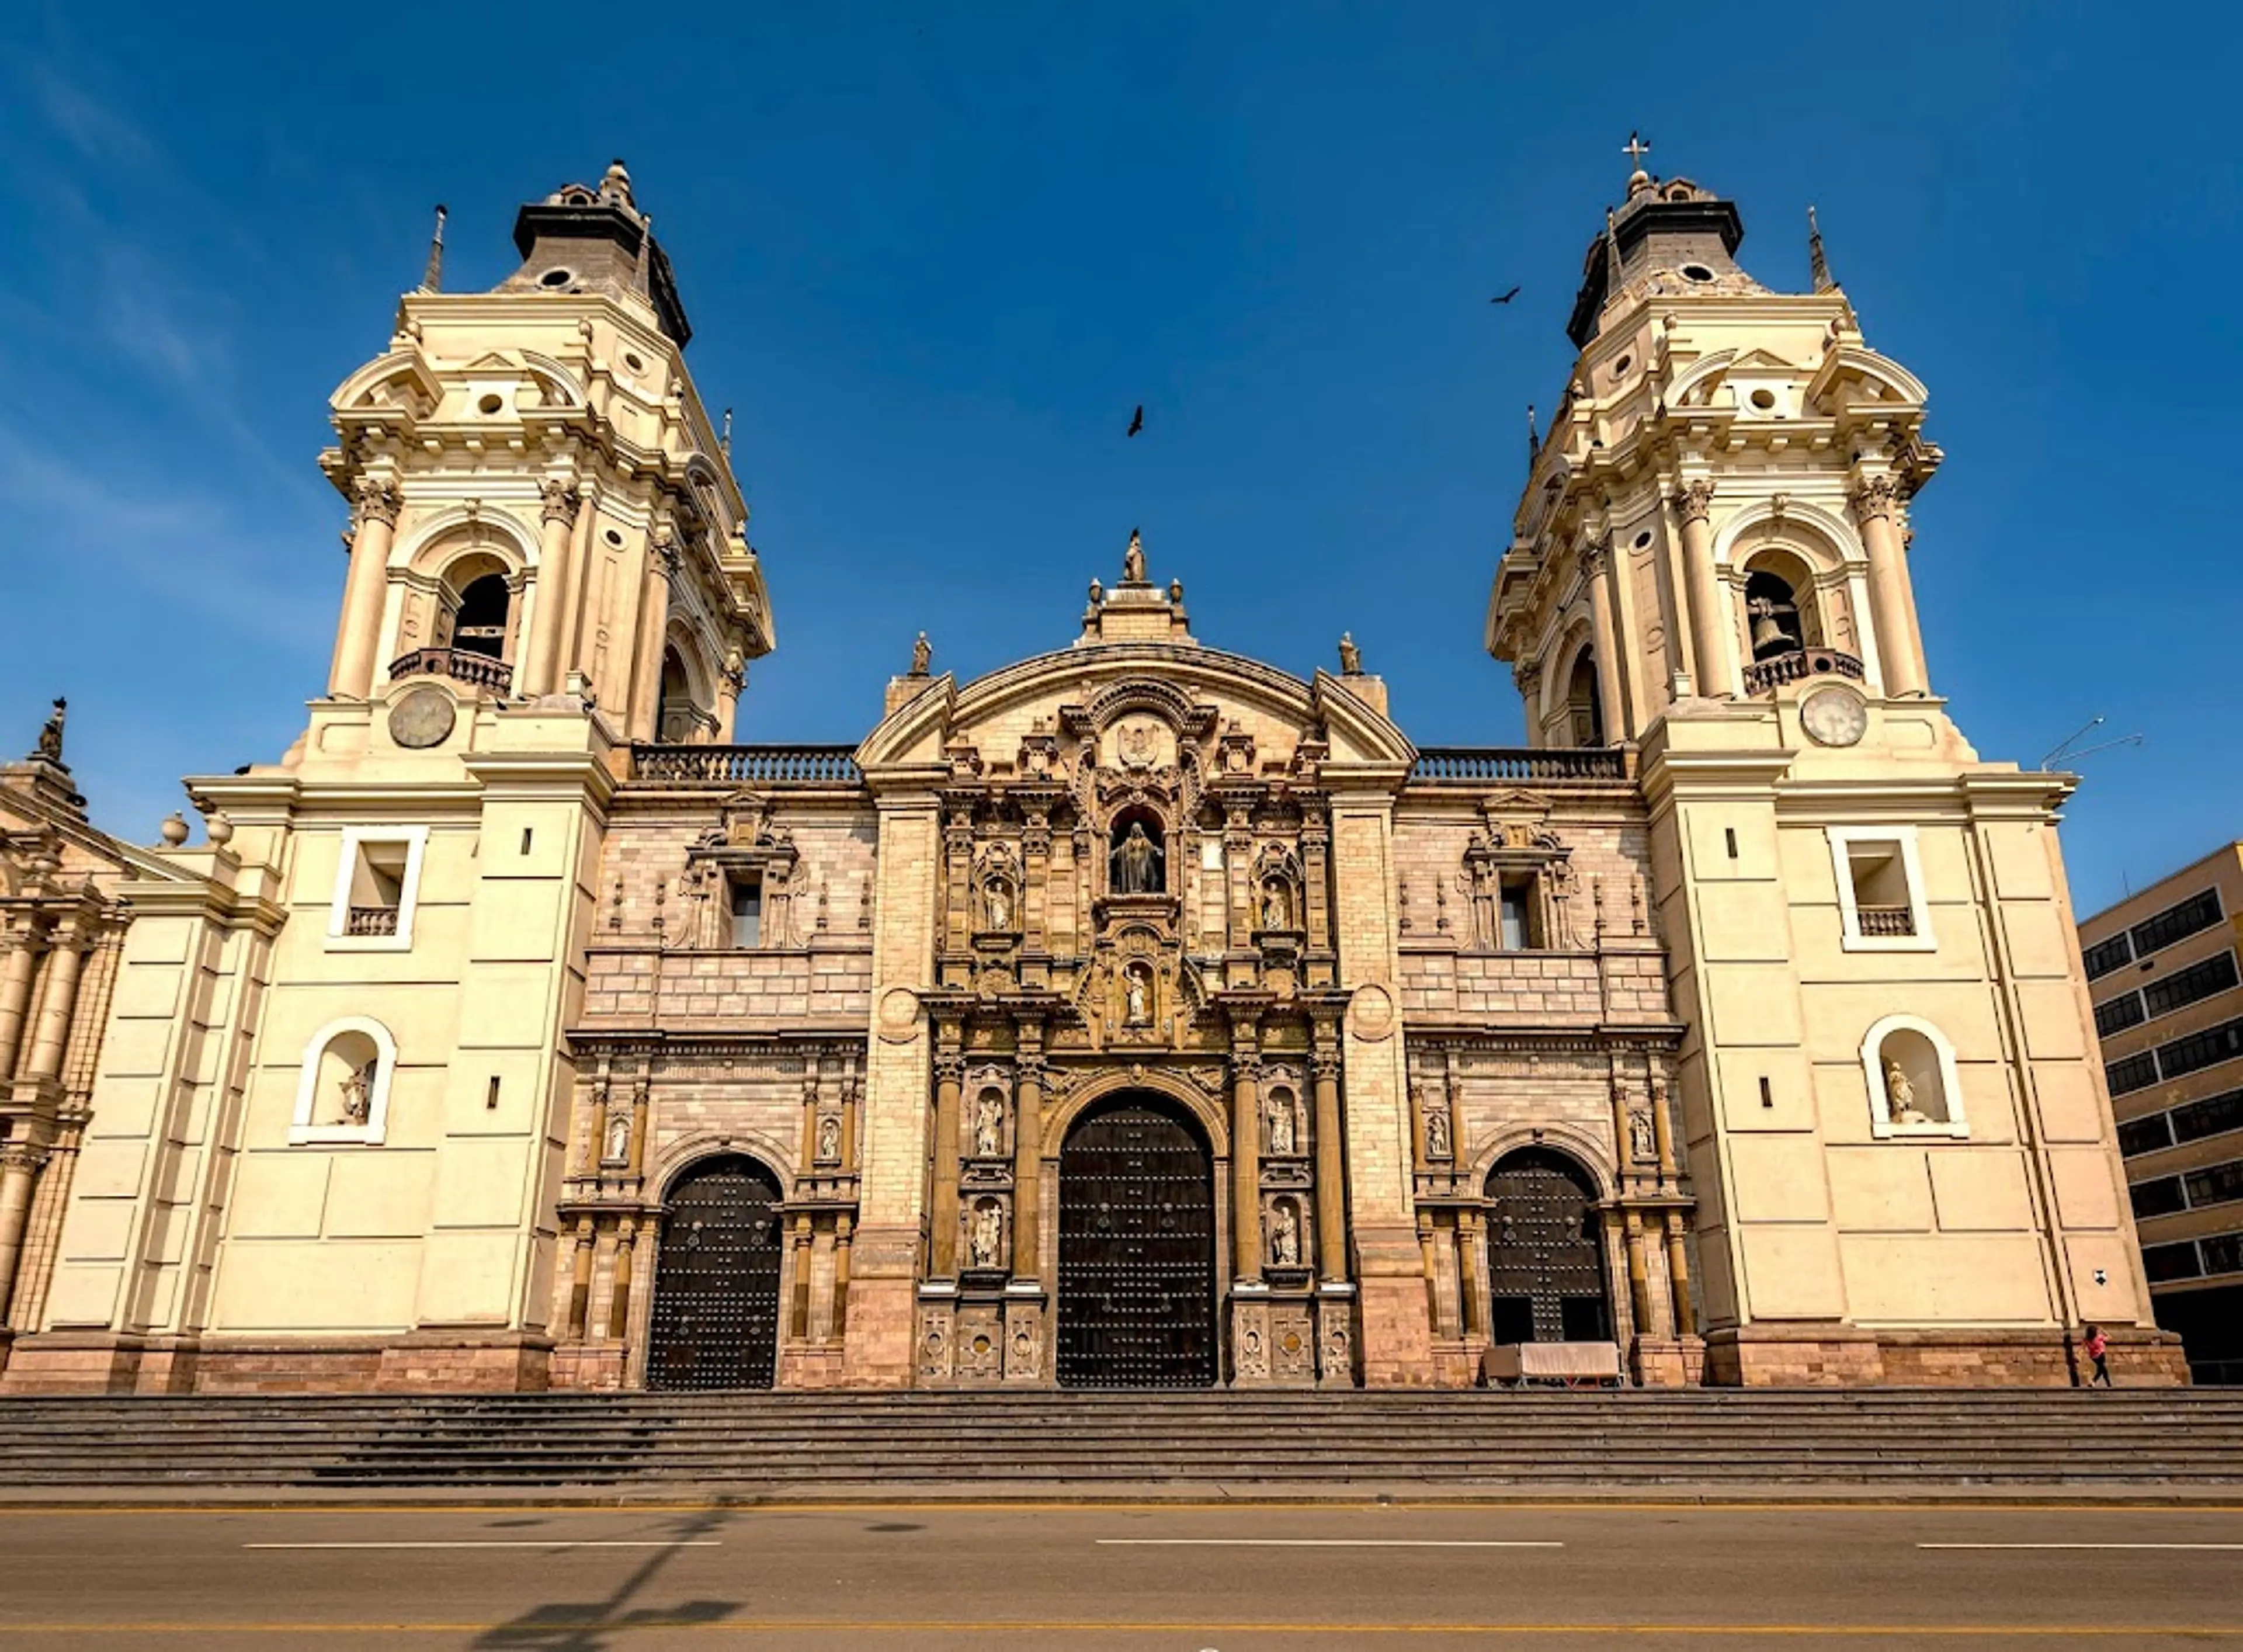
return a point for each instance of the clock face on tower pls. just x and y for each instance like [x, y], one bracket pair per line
[1834, 716]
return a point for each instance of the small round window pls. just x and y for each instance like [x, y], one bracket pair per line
[632, 361]
[489, 404]
[1696, 273]
[1643, 539]
[1763, 400]
[556, 278]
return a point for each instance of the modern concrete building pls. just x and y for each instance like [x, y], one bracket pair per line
[2169, 1010]
[1138, 1015]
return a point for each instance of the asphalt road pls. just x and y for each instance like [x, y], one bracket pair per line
[1166, 1579]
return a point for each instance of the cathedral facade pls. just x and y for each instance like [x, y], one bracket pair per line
[1136, 1015]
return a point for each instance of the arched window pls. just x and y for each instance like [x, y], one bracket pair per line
[1781, 614]
[480, 627]
[1585, 711]
[1546, 1252]
[342, 1090]
[1913, 1086]
[681, 718]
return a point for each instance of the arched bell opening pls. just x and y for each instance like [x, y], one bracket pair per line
[715, 1319]
[1585, 709]
[1136, 1302]
[1782, 616]
[1546, 1279]
[477, 608]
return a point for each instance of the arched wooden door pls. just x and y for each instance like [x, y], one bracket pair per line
[1136, 1252]
[716, 1281]
[1544, 1252]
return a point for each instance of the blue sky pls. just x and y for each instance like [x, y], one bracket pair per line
[934, 255]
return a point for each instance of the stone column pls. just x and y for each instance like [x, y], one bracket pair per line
[1892, 603]
[15, 977]
[1596, 569]
[732, 682]
[1678, 1276]
[374, 504]
[1430, 1259]
[800, 1319]
[1246, 1162]
[19, 1170]
[1028, 1163]
[580, 1279]
[58, 1005]
[1638, 1278]
[620, 1291]
[541, 668]
[942, 1205]
[662, 564]
[843, 1230]
[1710, 632]
[1471, 1252]
[1332, 1167]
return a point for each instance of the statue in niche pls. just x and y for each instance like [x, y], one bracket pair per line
[1350, 656]
[358, 1095]
[829, 1140]
[1280, 1109]
[1900, 1097]
[1284, 1236]
[922, 656]
[1132, 561]
[1137, 997]
[988, 1234]
[1641, 1140]
[619, 1135]
[1276, 905]
[1436, 1134]
[997, 902]
[1136, 863]
[989, 1124]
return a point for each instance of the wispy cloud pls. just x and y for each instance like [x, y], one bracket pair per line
[95, 130]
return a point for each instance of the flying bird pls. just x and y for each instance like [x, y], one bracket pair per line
[1507, 297]
[1138, 420]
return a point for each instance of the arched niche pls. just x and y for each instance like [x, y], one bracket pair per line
[1914, 1088]
[1137, 859]
[343, 1084]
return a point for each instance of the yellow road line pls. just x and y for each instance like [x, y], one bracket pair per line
[748, 1506]
[1091, 1626]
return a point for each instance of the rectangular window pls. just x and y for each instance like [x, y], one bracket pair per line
[377, 883]
[2193, 985]
[1518, 916]
[2199, 1050]
[2215, 1184]
[2141, 1135]
[2160, 1197]
[2214, 1115]
[2160, 930]
[2223, 1253]
[2119, 1013]
[2135, 1072]
[2163, 1262]
[747, 910]
[1881, 904]
[2107, 955]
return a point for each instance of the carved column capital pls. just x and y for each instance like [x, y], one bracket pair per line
[559, 500]
[1875, 496]
[1594, 560]
[1694, 499]
[950, 1069]
[21, 1158]
[374, 499]
[667, 560]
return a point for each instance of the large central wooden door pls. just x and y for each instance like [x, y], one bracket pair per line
[1544, 1252]
[1136, 1252]
[715, 1284]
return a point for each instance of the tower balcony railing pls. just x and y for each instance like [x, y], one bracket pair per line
[1885, 921]
[370, 920]
[1765, 676]
[1477, 765]
[746, 764]
[476, 670]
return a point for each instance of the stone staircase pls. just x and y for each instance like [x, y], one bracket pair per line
[1063, 1443]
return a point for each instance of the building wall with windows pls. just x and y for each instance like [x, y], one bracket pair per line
[2162, 971]
[1138, 1014]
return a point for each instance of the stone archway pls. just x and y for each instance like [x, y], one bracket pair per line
[1136, 1304]
[1546, 1252]
[715, 1320]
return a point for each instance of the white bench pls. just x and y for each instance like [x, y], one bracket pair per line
[1574, 1364]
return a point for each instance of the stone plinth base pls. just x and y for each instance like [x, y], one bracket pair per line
[466, 1362]
[882, 1347]
[593, 1367]
[1396, 1335]
[1456, 1364]
[1273, 1340]
[1667, 1362]
[813, 1366]
[1335, 1340]
[1839, 1356]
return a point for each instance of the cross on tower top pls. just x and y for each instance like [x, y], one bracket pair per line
[1635, 148]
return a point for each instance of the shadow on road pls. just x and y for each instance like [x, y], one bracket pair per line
[592, 1626]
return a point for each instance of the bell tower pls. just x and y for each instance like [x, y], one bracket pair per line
[540, 505]
[1897, 1127]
